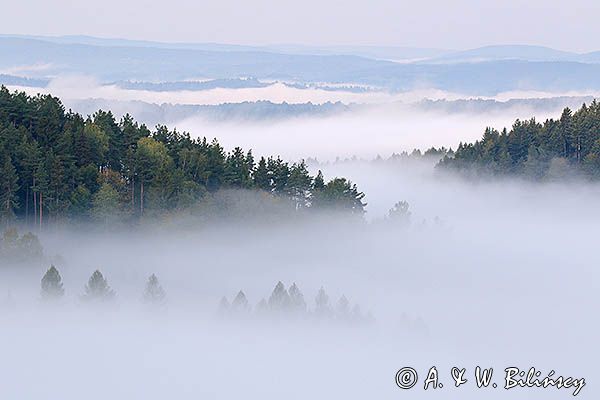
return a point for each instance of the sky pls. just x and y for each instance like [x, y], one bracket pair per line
[457, 24]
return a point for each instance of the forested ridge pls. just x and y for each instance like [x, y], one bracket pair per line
[59, 165]
[557, 148]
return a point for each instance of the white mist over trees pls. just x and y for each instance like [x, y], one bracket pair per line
[52, 287]
[97, 289]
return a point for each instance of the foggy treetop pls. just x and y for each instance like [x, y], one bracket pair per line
[60, 165]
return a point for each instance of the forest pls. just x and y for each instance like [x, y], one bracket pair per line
[555, 149]
[57, 165]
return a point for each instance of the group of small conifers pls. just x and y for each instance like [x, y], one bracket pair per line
[281, 302]
[97, 288]
[290, 302]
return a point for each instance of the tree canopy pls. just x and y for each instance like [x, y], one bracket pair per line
[57, 164]
[553, 149]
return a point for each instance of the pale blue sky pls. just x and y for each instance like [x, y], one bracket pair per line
[457, 24]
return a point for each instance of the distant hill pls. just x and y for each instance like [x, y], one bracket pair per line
[11, 80]
[458, 73]
[162, 64]
[593, 57]
[506, 52]
[374, 52]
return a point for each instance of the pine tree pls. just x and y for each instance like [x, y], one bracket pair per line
[240, 303]
[280, 299]
[97, 288]
[40, 189]
[279, 171]
[322, 303]
[340, 194]
[296, 299]
[299, 184]
[52, 287]
[154, 293]
[262, 307]
[105, 204]
[400, 213]
[342, 308]
[9, 185]
[318, 182]
[261, 176]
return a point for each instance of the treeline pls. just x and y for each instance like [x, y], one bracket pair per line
[57, 164]
[553, 149]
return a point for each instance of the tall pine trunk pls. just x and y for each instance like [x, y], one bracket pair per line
[34, 204]
[41, 210]
[141, 197]
[133, 194]
[26, 206]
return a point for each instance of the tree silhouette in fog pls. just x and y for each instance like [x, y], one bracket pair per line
[154, 293]
[280, 299]
[240, 303]
[322, 303]
[297, 303]
[97, 288]
[52, 287]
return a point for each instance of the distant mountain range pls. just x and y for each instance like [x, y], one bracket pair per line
[514, 52]
[171, 66]
[390, 53]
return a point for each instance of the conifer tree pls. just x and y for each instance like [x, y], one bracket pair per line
[318, 182]
[154, 293]
[400, 213]
[262, 307]
[342, 308]
[280, 299]
[97, 288]
[52, 287]
[322, 303]
[299, 184]
[261, 176]
[296, 299]
[9, 185]
[105, 204]
[240, 303]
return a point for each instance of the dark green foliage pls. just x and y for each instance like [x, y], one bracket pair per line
[56, 165]
[52, 287]
[9, 185]
[535, 151]
[339, 193]
[261, 176]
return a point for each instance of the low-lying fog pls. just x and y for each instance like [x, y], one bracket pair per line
[495, 274]
[368, 134]
[506, 275]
